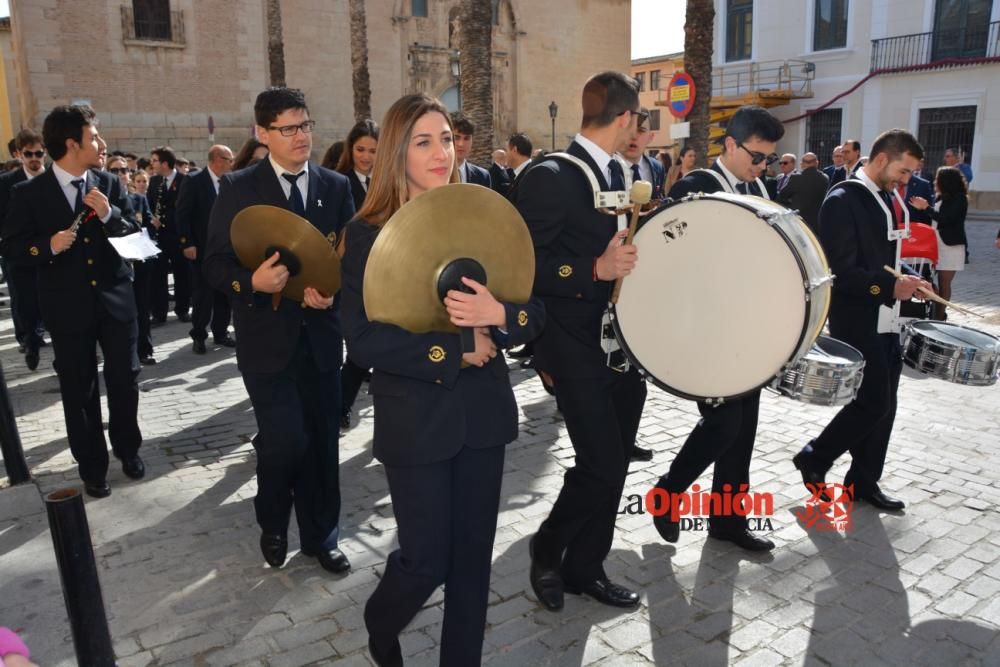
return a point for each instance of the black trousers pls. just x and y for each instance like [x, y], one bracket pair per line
[22, 282]
[209, 305]
[141, 284]
[864, 425]
[724, 436]
[352, 377]
[76, 367]
[602, 417]
[446, 518]
[170, 260]
[297, 447]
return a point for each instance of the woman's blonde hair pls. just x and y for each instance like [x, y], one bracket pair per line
[388, 190]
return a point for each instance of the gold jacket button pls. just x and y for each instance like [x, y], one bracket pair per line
[93, 283]
[34, 251]
[565, 271]
[86, 239]
[90, 261]
[236, 286]
[875, 290]
[436, 354]
[522, 318]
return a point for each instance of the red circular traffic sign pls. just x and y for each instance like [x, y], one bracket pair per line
[680, 94]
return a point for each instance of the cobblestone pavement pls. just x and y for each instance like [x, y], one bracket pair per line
[184, 583]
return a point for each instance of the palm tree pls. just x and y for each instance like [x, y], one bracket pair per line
[275, 44]
[476, 64]
[698, 30]
[359, 62]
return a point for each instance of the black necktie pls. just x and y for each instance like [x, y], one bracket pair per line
[78, 206]
[617, 183]
[741, 188]
[295, 198]
[635, 173]
[368, 182]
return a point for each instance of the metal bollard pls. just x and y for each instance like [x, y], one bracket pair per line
[78, 572]
[10, 439]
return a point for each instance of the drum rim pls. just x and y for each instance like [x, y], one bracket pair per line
[918, 327]
[613, 309]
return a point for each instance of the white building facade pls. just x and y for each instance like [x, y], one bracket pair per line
[929, 66]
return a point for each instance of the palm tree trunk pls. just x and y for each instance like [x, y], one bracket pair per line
[476, 62]
[275, 44]
[698, 33]
[359, 62]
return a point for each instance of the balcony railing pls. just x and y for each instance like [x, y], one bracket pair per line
[945, 48]
[790, 78]
[170, 31]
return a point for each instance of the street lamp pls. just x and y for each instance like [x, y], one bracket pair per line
[553, 112]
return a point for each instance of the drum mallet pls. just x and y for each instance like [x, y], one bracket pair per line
[640, 194]
[934, 297]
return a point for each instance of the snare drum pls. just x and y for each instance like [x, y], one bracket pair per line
[952, 352]
[829, 374]
[728, 289]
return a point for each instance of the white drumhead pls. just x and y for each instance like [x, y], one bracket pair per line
[718, 310]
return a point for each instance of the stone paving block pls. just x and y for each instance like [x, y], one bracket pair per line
[310, 654]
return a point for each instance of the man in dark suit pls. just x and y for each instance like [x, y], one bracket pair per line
[464, 129]
[918, 187]
[85, 289]
[726, 433]
[854, 231]
[851, 152]
[22, 281]
[805, 191]
[519, 151]
[644, 168]
[838, 162]
[164, 188]
[290, 355]
[499, 175]
[578, 256]
[194, 206]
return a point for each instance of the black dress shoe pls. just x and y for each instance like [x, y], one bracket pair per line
[31, 358]
[199, 347]
[228, 341]
[669, 530]
[742, 538]
[184, 317]
[546, 582]
[274, 548]
[528, 364]
[606, 592]
[641, 454]
[386, 657]
[345, 419]
[331, 560]
[97, 489]
[147, 360]
[134, 468]
[157, 320]
[20, 348]
[810, 477]
[884, 502]
[523, 352]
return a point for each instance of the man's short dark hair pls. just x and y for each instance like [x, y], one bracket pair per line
[27, 137]
[460, 123]
[65, 122]
[521, 143]
[131, 156]
[117, 154]
[142, 163]
[854, 144]
[896, 142]
[165, 155]
[275, 101]
[754, 121]
[606, 96]
[12, 147]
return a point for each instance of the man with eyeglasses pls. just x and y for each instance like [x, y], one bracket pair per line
[787, 166]
[578, 256]
[726, 433]
[805, 191]
[290, 356]
[22, 280]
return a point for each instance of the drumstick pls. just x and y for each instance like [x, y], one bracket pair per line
[641, 193]
[934, 297]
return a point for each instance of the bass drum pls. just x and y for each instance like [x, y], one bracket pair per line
[728, 291]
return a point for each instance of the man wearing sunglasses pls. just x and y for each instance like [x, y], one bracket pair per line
[725, 435]
[21, 280]
[290, 356]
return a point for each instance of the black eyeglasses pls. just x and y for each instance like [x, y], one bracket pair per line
[118, 170]
[38, 154]
[757, 157]
[290, 130]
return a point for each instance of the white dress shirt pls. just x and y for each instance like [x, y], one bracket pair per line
[600, 157]
[286, 187]
[69, 190]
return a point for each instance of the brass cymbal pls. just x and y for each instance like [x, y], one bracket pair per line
[434, 229]
[311, 258]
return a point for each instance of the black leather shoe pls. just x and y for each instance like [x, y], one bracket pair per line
[527, 364]
[157, 320]
[20, 348]
[274, 548]
[228, 341]
[742, 538]
[523, 352]
[184, 317]
[546, 582]
[606, 592]
[884, 502]
[668, 530]
[386, 657]
[31, 357]
[134, 468]
[331, 560]
[97, 489]
[345, 419]
[641, 454]
[147, 360]
[198, 347]
[810, 477]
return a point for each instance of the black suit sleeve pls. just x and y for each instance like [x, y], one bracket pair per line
[23, 244]
[221, 267]
[120, 223]
[841, 243]
[951, 220]
[786, 195]
[431, 357]
[187, 201]
[544, 212]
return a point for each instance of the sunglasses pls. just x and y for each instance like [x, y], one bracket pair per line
[38, 154]
[757, 157]
[118, 170]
